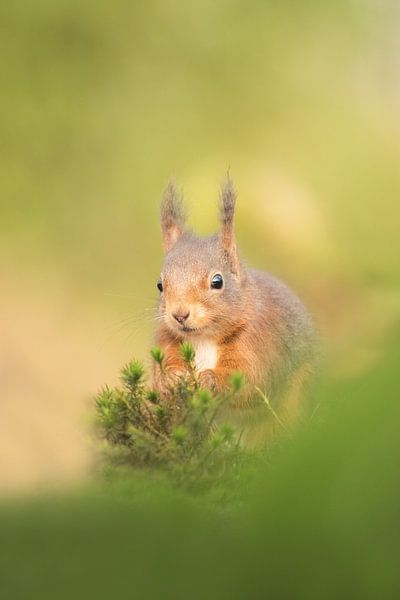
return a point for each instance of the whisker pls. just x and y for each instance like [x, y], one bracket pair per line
[134, 322]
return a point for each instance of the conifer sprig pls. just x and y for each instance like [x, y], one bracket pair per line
[177, 428]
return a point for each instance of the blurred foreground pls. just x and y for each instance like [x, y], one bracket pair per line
[318, 519]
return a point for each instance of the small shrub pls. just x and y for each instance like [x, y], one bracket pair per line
[175, 430]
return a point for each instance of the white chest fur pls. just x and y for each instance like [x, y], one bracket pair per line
[206, 354]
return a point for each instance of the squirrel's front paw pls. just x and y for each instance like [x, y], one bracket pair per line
[163, 381]
[208, 380]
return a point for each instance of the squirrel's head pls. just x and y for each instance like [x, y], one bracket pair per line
[200, 281]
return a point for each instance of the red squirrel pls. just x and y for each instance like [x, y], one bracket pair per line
[236, 318]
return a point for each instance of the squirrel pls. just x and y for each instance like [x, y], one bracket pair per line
[235, 317]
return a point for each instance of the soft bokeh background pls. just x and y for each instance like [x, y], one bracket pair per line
[101, 102]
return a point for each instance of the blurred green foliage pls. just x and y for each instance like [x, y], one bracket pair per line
[102, 102]
[317, 519]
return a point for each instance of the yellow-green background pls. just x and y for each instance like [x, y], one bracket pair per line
[101, 102]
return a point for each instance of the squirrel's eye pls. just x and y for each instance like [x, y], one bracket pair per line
[160, 285]
[217, 282]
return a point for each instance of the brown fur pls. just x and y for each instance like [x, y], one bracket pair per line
[259, 326]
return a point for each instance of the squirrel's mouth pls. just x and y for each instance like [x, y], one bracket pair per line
[187, 329]
[183, 328]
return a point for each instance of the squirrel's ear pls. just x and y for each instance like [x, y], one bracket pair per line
[172, 217]
[227, 236]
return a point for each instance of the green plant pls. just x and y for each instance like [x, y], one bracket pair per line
[176, 429]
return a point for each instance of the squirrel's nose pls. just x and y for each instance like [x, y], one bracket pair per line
[181, 318]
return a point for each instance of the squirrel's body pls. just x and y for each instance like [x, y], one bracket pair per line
[237, 318]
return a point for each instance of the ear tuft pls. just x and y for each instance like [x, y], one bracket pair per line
[228, 200]
[173, 216]
[227, 236]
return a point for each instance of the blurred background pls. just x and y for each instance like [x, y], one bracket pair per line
[101, 103]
